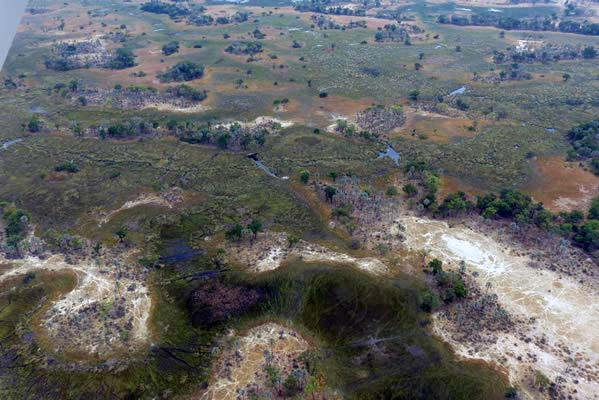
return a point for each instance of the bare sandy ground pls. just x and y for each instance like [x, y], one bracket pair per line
[270, 250]
[242, 364]
[110, 298]
[167, 199]
[561, 338]
[263, 120]
[196, 108]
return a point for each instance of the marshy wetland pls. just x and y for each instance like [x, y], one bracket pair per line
[300, 199]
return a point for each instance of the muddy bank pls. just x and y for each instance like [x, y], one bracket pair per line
[560, 313]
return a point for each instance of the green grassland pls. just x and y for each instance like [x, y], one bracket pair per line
[528, 106]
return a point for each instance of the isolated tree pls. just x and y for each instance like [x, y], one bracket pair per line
[414, 94]
[34, 124]
[410, 190]
[121, 233]
[292, 240]
[436, 266]
[588, 235]
[304, 176]
[170, 48]
[594, 210]
[223, 140]
[255, 227]
[235, 232]
[589, 52]
[329, 193]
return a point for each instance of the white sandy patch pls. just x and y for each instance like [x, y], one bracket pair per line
[562, 311]
[270, 250]
[333, 127]
[262, 120]
[265, 120]
[244, 363]
[313, 253]
[167, 199]
[98, 283]
[196, 108]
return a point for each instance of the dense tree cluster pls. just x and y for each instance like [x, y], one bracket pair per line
[585, 144]
[450, 286]
[123, 58]
[170, 48]
[396, 33]
[515, 205]
[529, 24]
[187, 92]
[161, 7]
[545, 53]
[67, 166]
[520, 208]
[205, 19]
[329, 7]
[16, 223]
[201, 20]
[381, 119]
[122, 130]
[182, 71]
[67, 56]
[509, 204]
[324, 22]
[244, 48]
[350, 130]
[235, 136]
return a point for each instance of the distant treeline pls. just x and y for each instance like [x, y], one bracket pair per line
[159, 7]
[332, 7]
[526, 24]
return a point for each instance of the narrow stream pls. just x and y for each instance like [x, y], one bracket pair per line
[260, 164]
[391, 153]
[461, 90]
[11, 142]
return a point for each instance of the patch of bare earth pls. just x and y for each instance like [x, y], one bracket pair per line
[270, 250]
[196, 108]
[530, 313]
[105, 315]
[562, 185]
[241, 369]
[165, 199]
[437, 128]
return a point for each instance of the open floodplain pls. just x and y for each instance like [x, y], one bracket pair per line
[300, 199]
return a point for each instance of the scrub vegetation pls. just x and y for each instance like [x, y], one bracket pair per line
[182, 177]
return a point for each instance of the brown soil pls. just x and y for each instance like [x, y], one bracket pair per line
[561, 185]
[450, 184]
[437, 128]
